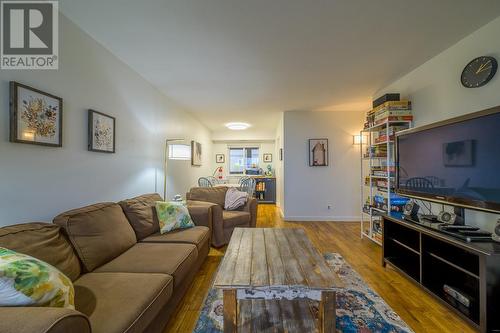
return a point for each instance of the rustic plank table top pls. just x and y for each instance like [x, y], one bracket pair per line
[268, 275]
[274, 257]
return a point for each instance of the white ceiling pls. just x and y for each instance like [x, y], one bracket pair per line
[247, 60]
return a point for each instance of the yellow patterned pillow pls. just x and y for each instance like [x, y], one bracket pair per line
[27, 281]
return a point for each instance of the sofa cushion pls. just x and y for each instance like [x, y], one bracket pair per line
[98, 232]
[122, 302]
[216, 195]
[43, 241]
[27, 281]
[141, 214]
[234, 218]
[196, 236]
[173, 215]
[167, 258]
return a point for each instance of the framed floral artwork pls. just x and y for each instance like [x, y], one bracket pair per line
[102, 129]
[268, 158]
[35, 116]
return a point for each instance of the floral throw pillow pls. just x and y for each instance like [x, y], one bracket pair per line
[27, 281]
[173, 215]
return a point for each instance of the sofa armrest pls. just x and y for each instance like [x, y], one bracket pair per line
[201, 212]
[251, 207]
[42, 320]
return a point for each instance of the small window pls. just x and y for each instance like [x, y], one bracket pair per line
[241, 159]
[179, 152]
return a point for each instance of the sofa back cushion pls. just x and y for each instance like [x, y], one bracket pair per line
[216, 195]
[141, 214]
[99, 233]
[43, 241]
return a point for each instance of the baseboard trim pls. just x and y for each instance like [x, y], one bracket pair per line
[322, 218]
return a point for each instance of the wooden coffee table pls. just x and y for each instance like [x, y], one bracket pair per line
[268, 276]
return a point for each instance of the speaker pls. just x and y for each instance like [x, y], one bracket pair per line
[496, 232]
[411, 209]
[446, 217]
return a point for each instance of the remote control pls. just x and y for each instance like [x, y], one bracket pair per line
[459, 227]
[474, 233]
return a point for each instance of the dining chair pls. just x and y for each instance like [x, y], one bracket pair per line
[213, 180]
[204, 182]
[247, 184]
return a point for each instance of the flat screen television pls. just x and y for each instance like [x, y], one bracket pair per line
[455, 162]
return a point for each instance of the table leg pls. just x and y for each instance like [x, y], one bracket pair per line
[230, 311]
[326, 316]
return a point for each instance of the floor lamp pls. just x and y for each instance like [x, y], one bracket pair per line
[167, 141]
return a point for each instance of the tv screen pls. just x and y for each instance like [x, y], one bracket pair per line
[455, 161]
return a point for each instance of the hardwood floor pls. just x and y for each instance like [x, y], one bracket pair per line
[417, 308]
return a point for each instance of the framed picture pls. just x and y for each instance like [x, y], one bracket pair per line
[318, 152]
[101, 132]
[220, 158]
[268, 158]
[35, 116]
[195, 153]
[458, 154]
[281, 154]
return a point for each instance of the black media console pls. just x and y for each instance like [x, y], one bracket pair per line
[433, 260]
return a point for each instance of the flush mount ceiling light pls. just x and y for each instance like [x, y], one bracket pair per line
[237, 126]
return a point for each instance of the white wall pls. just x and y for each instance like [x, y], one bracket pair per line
[309, 190]
[36, 183]
[436, 92]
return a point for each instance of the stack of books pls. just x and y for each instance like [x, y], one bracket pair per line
[383, 171]
[397, 202]
[381, 136]
[375, 151]
[389, 111]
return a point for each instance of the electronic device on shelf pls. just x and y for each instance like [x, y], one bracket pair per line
[447, 217]
[410, 210]
[496, 233]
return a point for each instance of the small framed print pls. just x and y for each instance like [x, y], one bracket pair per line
[35, 116]
[102, 132]
[268, 158]
[318, 152]
[220, 158]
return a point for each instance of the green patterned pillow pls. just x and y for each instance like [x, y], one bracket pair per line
[27, 281]
[173, 215]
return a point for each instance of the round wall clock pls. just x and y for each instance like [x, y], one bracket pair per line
[479, 71]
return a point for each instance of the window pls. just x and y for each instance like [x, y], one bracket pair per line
[241, 159]
[179, 152]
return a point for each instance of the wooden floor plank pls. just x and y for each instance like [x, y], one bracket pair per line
[418, 309]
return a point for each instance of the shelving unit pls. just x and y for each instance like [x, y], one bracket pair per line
[436, 262]
[265, 189]
[378, 166]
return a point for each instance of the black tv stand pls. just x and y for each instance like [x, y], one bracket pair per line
[433, 259]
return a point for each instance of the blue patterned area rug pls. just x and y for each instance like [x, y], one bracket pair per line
[359, 308]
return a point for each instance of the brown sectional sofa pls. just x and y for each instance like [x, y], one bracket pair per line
[127, 277]
[223, 221]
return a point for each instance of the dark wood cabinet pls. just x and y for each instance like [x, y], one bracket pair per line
[435, 260]
[265, 189]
